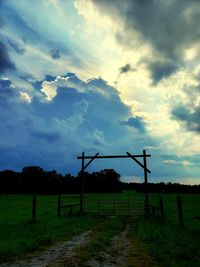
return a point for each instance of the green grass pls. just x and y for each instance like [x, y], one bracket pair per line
[190, 207]
[170, 244]
[20, 236]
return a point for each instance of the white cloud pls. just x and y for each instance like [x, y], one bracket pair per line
[49, 90]
[25, 97]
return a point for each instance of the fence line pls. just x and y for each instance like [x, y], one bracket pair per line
[159, 210]
[114, 206]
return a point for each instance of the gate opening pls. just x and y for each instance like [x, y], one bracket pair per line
[143, 165]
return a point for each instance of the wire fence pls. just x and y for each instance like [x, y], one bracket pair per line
[183, 210]
[114, 206]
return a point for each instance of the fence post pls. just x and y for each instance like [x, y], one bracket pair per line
[146, 185]
[82, 183]
[34, 207]
[114, 204]
[161, 207]
[58, 206]
[180, 211]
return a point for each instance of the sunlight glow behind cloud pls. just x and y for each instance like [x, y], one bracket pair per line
[102, 76]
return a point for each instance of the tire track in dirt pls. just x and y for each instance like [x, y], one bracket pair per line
[126, 250]
[62, 254]
[137, 255]
[112, 258]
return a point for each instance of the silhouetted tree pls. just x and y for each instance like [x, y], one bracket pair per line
[33, 178]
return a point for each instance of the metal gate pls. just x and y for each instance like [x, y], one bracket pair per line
[103, 206]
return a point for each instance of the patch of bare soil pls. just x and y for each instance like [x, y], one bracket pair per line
[63, 254]
[126, 251]
[116, 254]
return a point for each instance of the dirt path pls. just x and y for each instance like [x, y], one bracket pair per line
[56, 255]
[125, 250]
[115, 256]
[136, 254]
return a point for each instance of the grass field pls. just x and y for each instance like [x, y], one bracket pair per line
[170, 244]
[165, 240]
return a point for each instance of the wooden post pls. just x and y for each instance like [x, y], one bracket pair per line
[161, 207]
[58, 207]
[129, 207]
[82, 184]
[34, 207]
[146, 184]
[114, 206]
[180, 211]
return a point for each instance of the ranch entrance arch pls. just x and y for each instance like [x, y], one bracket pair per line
[142, 164]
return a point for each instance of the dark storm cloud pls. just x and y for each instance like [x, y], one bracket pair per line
[44, 132]
[55, 54]
[136, 123]
[190, 119]
[5, 61]
[186, 109]
[169, 26]
[160, 70]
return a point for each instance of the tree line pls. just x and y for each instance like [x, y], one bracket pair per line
[34, 179]
[163, 188]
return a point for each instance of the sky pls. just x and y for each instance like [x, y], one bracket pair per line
[101, 76]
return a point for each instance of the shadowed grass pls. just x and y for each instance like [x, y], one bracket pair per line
[170, 244]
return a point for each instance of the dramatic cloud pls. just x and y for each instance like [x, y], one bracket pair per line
[170, 27]
[161, 69]
[80, 115]
[146, 55]
[189, 118]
